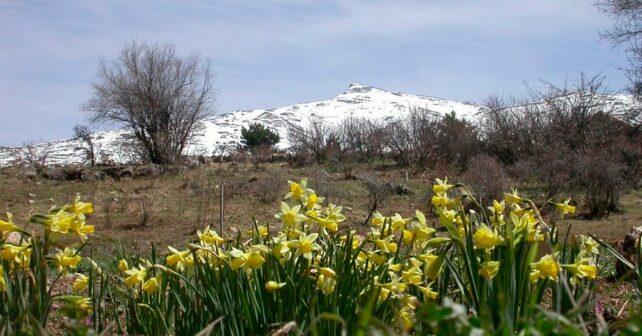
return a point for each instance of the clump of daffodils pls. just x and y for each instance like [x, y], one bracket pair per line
[44, 258]
[402, 262]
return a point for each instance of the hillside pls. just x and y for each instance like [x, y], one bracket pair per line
[222, 132]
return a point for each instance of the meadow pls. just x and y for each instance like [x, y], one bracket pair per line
[430, 260]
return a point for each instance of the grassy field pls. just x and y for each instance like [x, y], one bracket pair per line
[168, 209]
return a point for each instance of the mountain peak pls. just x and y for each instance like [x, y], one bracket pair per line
[358, 88]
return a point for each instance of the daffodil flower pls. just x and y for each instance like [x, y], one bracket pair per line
[298, 190]
[565, 207]
[440, 201]
[290, 216]
[584, 268]
[66, 259]
[180, 259]
[489, 269]
[377, 219]
[333, 213]
[441, 187]
[81, 282]
[209, 237]
[326, 284]
[152, 284]
[306, 244]
[313, 201]
[386, 245]
[546, 268]
[428, 292]
[397, 222]
[513, 197]
[122, 265]
[413, 275]
[273, 286]
[135, 276]
[589, 245]
[8, 226]
[485, 238]
[3, 284]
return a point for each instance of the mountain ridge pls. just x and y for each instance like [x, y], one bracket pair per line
[221, 133]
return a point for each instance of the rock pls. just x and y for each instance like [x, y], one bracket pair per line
[91, 175]
[29, 175]
[55, 174]
[147, 170]
[126, 172]
[627, 248]
[401, 189]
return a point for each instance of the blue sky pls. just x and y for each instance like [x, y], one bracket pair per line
[269, 53]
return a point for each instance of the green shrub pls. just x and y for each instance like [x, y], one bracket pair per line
[257, 135]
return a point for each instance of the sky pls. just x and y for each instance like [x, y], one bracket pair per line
[271, 53]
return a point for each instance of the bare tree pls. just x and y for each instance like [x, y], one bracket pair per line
[312, 139]
[627, 32]
[82, 133]
[412, 140]
[568, 139]
[159, 95]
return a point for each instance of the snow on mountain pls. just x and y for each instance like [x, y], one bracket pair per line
[220, 133]
[223, 132]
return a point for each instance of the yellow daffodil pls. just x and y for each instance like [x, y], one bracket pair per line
[485, 238]
[427, 292]
[383, 294]
[412, 276]
[441, 187]
[209, 237]
[179, 259]
[376, 258]
[312, 201]
[325, 284]
[281, 251]
[255, 256]
[135, 276]
[152, 284]
[8, 226]
[565, 207]
[328, 272]
[584, 268]
[546, 268]
[81, 282]
[290, 216]
[397, 222]
[122, 265]
[489, 269]
[66, 259]
[252, 259]
[377, 219]
[589, 246]
[77, 302]
[333, 213]
[298, 190]
[386, 245]
[10, 251]
[273, 286]
[81, 208]
[3, 284]
[513, 197]
[306, 244]
[433, 267]
[440, 201]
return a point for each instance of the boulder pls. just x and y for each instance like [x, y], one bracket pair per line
[627, 248]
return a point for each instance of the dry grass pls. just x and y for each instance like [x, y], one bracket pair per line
[173, 207]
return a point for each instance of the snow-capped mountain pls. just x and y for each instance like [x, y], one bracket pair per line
[223, 132]
[220, 133]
